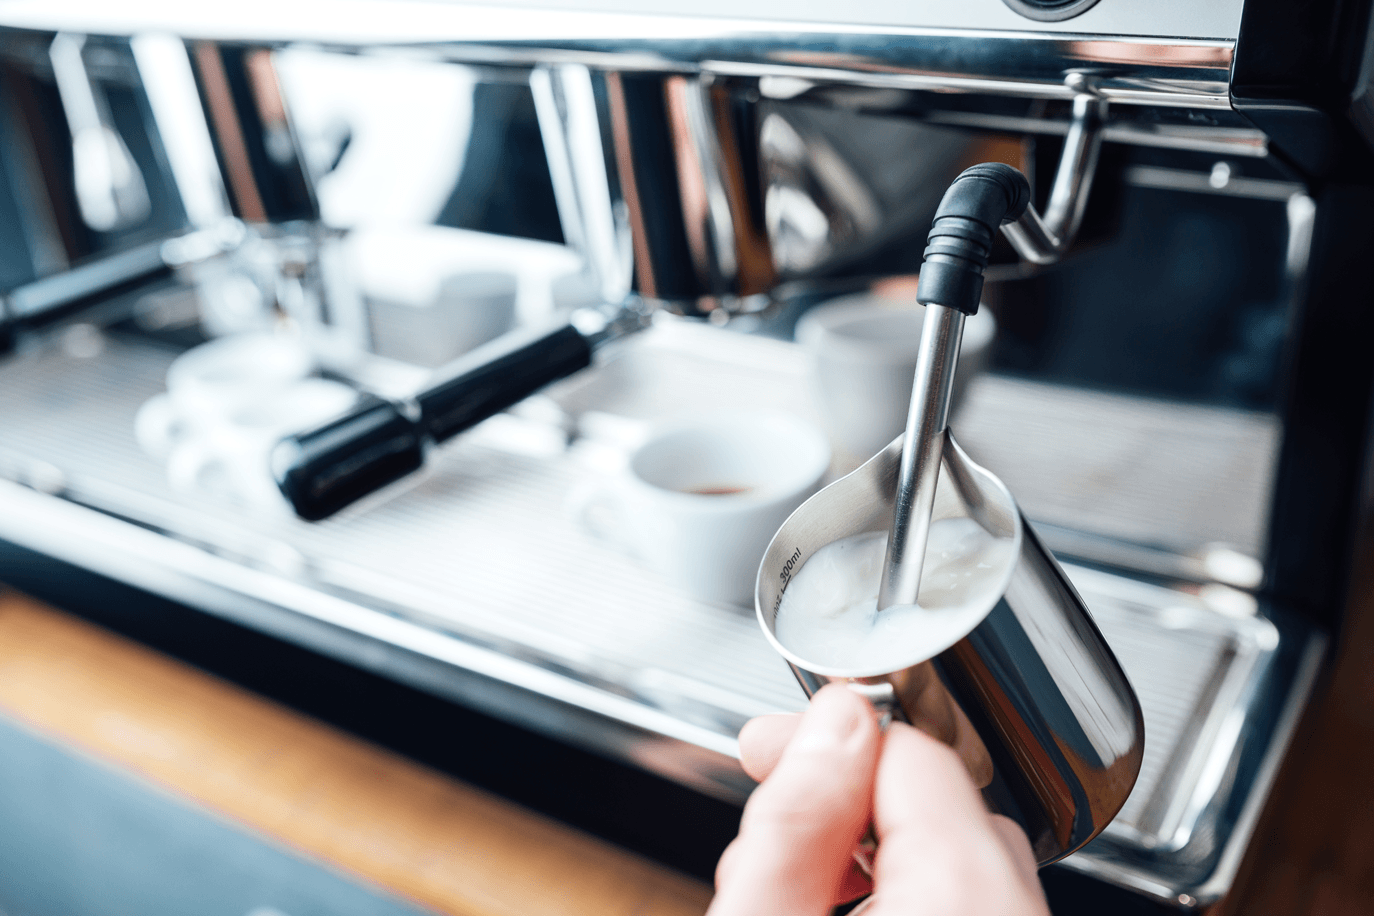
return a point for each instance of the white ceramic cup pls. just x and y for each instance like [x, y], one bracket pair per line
[864, 348]
[466, 311]
[219, 376]
[231, 459]
[701, 498]
[228, 402]
[208, 383]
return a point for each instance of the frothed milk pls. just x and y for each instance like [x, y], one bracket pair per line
[829, 613]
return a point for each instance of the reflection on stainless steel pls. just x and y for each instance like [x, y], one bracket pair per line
[1177, 71]
[815, 202]
[705, 236]
[707, 219]
[287, 262]
[1233, 139]
[109, 185]
[86, 281]
[688, 143]
[217, 255]
[713, 201]
[594, 220]
[695, 225]
[265, 176]
[1216, 664]
[831, 193]
[623, 19]
[1060, 727]
[1215, 182]
[1215, 885]
[165, 70]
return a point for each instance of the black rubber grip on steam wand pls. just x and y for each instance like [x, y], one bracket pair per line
[977, 203]
[375, 444]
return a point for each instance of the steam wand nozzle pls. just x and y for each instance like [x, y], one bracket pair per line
[976, 205]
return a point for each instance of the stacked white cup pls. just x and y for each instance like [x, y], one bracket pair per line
[228, 402]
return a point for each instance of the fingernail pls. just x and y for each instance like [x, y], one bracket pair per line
[832, 717]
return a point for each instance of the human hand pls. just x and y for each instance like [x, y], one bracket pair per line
[824, 775]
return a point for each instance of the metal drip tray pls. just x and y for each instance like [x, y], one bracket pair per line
[1192, 669]
[473, 581]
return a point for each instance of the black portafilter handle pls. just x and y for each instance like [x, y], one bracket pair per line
[977, 204]
[379, 442]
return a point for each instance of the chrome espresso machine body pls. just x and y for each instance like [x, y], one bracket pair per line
[1179, 396]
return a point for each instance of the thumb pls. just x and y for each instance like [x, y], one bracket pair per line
[939, 850]
[799, 828]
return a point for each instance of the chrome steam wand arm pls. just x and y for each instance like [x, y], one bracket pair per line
[977, 203]
[1045, 239]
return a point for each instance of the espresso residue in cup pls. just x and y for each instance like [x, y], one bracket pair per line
[829, 614]
[717, 490]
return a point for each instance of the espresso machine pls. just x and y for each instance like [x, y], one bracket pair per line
[1179, 393]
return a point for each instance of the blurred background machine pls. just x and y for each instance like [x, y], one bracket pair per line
[645, 203]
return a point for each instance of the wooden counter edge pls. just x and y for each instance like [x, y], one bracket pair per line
[336, 799]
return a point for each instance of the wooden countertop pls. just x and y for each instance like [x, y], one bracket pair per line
[331, 797]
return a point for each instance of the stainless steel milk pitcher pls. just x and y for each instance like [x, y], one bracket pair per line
[1031, 698]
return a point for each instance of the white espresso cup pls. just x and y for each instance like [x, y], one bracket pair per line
[231, 459]
[228, 402]
[207, 384]
[864, 347]
[701, 498]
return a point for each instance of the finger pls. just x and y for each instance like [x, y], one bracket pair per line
[800, 826]
[938, 850]
[725, 865]
[1018, 848]
[853, 885]
[762, 740]
[761, 743]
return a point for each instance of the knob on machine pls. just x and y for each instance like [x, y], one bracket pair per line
[1050, 10]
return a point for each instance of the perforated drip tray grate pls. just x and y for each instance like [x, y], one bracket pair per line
[474, 581]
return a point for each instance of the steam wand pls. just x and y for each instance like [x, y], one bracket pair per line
[978, 202]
